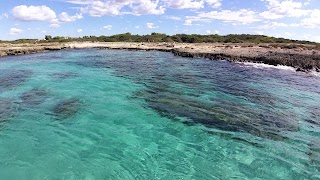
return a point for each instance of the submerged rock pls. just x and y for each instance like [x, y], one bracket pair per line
[34, 97]
[13, 78]
[67, 108]
[314, 152]
[64, 75]
[7, 109]
[223, 115]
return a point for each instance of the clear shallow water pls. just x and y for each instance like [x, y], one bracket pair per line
[104, 114]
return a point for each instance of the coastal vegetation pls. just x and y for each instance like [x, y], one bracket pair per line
[159, 37]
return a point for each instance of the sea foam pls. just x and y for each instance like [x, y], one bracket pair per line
[261, 65]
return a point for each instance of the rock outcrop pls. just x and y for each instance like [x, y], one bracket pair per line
[303, 57]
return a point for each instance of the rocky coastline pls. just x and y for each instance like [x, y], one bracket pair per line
[301, 57]
[298, 61]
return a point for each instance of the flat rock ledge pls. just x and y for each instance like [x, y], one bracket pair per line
[16, 50]
[302, 58]
[299, 61]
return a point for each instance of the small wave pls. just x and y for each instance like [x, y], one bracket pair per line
[261, 65]
[315, 73]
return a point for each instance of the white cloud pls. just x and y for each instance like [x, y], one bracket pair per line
[307, 2]
[79, 30]
[185, 4]
[283, 8]
[188, 22]
[242, 16]
[139, 7]
[3, 16]
[33, 13]
[272, 25]
[100, 8]
[313, 20]
[137, 27]
[65, 17]
[259, 32]
[288, 34]
[55, 23]
[151, 26]
[313, 38]
[173, 18]
[108, 27]
[83, 2]
[15, 31]
[208, 31]
[214, 3]
[148, 7]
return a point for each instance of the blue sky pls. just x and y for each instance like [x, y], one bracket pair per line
[294, 19]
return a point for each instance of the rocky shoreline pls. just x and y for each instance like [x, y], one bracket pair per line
[300, 62]
[301, 57]
[21, 49]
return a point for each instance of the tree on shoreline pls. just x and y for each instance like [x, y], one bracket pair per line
[179, 38]
[48, 37]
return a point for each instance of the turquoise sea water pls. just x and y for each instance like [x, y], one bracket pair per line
[116, 114]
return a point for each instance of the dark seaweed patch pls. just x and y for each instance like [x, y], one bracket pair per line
[7, 109]
[314, 148]
[91, 63]
[64, 75]
[34, 97]
[225, 115]
[67, 108]
[12, 78]
[314, 115]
